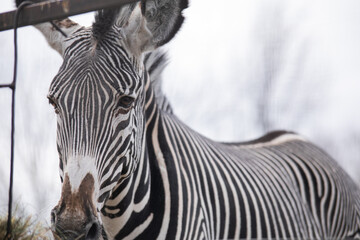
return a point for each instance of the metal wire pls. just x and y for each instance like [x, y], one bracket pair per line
[58, 29]
[12, 86]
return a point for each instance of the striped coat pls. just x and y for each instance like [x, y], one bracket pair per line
[130, 169]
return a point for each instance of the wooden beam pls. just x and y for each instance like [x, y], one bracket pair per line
[52, 10]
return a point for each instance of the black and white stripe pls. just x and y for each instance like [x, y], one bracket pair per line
[158, 179]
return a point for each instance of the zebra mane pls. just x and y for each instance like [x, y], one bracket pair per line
[104, 20]
[155, 62]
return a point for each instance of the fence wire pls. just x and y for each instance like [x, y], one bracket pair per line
[12, 86]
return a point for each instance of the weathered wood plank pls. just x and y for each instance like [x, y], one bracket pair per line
[46, 11]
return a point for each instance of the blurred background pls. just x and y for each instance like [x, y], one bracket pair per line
[237, 69]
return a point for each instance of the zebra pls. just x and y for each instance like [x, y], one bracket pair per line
[130, 169]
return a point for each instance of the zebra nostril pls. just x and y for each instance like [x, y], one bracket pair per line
[53, 216]
[92, 231]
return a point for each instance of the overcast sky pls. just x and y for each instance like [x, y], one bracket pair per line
[215, 71]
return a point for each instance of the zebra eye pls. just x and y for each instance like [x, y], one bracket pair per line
[53, 103]
[125, 102]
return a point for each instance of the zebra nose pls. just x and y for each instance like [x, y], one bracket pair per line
[92, 230]
[66, 226]
[53, 218]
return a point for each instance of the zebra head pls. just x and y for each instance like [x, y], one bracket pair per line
[99, 98]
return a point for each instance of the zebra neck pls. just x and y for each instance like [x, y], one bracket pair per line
[138, 210]
[158, 205]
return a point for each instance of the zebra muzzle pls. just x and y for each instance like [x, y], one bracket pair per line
[75, 216]
[66, 227]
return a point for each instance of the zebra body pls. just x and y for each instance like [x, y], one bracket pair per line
[280, 186]
[130, 169]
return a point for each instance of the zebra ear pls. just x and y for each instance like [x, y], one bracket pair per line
[164, 18]
[136, 34]
[57, 33]
[151, 24]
